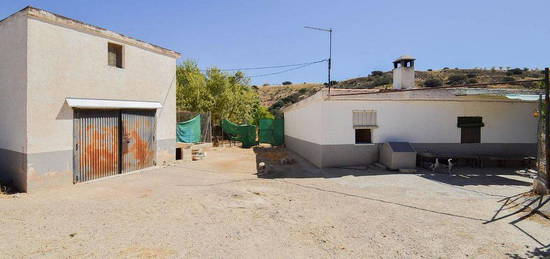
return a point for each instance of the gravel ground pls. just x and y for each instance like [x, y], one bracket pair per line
[218, 207]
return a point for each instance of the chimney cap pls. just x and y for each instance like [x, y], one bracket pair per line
[404, 58]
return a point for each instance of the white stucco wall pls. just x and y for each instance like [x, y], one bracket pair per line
[305, 123]
[429, 121]
[63, 62]
[403, 78]
[13, 92]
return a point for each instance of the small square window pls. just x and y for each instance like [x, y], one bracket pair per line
[115, 55]
[363, 136]
[470, 129]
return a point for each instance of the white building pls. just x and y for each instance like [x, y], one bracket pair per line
[348, 127]
[79, 102]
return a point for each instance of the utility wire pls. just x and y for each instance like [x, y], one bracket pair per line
[268, 67]
[288, 70]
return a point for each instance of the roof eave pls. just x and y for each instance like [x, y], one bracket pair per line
[60, 20]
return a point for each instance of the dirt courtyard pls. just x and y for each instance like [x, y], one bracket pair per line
[219, 207]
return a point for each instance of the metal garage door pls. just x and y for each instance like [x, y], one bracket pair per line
[103, 148]
[138, 140]
[96, 144]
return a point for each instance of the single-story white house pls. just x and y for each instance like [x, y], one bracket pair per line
[348, 126]
[79, 102]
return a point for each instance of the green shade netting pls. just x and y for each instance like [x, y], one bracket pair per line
[243, 133]
[189, 131]
[272, 131]
[278, 132]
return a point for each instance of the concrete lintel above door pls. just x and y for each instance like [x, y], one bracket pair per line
[110, 104]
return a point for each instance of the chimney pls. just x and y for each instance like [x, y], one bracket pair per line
[403, 72]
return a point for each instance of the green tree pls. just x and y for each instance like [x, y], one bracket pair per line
[191, 89]
[262, 113]
[514, 71]
[377, 73]
[226, 96]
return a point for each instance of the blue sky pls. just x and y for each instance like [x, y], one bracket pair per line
[368, 35]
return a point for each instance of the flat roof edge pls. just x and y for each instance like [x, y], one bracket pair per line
[56, 19]
[317, 97]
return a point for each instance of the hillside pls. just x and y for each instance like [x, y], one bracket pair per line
[278, 96]
[379, 79]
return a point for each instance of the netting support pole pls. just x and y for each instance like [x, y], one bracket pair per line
[547, 126]
[210, 121]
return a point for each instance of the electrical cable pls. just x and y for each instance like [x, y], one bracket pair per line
[287, 70]
[267, 67]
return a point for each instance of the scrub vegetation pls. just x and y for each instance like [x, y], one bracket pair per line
[279, 96]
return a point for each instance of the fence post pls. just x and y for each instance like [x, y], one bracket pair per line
[210, 123]
[547, 126]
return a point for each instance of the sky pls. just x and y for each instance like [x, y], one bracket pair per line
[368, 35]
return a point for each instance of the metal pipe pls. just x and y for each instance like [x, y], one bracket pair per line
[329, 59]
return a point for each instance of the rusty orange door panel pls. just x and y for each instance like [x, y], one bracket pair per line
[96, 144]
[138, 139]
[110, 142]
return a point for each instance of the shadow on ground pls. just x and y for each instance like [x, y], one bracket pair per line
[471, 179]
[520, 207]
[7, 190]
[281, 163]
[276, 160]
[514, 208]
